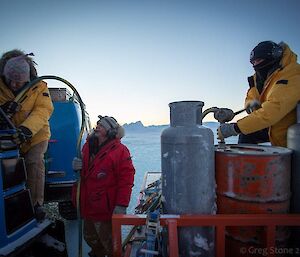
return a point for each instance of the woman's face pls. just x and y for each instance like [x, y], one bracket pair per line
[14, 85]
[101, 132]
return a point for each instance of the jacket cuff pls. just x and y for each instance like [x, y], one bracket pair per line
[26, 131]
[236, 128]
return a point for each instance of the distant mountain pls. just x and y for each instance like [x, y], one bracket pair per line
[134, 125]
[138, 126]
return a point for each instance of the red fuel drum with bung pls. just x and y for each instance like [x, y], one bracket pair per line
[253, 179]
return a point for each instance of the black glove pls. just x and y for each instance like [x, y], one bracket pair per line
[253, 106]
[223, 115]
[22, 135]
[227, 130]
[11, 107]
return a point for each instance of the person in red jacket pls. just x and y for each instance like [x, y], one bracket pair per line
[107, 175]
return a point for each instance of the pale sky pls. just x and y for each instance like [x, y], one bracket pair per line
[129, 59]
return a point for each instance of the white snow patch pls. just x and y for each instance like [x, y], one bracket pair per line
[50, 241]
[201, 242]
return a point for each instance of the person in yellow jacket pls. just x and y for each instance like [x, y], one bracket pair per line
[271, 99]
[30, 115]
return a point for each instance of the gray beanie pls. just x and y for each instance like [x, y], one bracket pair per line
[108, 122]
[111, 126]
[17, 69]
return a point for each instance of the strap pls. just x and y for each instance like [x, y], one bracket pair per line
[26, 89]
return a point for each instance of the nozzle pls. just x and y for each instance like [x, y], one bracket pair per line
[221, 143]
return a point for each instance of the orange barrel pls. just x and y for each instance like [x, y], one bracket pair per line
[253, 179]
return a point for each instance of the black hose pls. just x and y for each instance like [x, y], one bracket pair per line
[209, 110]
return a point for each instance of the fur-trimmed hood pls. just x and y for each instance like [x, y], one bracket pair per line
[289, 56]
[14, 53]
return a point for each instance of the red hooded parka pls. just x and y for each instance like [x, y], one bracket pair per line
[105, 182]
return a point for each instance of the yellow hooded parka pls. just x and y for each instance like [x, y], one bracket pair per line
[36, 109]
[279, 99]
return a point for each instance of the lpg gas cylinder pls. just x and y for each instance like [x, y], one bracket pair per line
[188, 178]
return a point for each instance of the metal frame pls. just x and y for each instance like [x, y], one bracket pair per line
[219, 221]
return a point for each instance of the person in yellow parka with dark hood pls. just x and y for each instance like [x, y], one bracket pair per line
[271, 99]
[30, 115]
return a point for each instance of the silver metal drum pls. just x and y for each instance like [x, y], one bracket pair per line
[293, 142]
[188, 177]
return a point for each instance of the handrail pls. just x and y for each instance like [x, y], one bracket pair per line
[219, 221]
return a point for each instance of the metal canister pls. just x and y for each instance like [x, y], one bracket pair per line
[188, 178]
[293, 142]
[253, 179]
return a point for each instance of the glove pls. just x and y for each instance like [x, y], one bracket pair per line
[227, 130]
[119, 210]
[223, 115]
[11, 107]
[77, 164]
[22, 135]
[252, 106]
